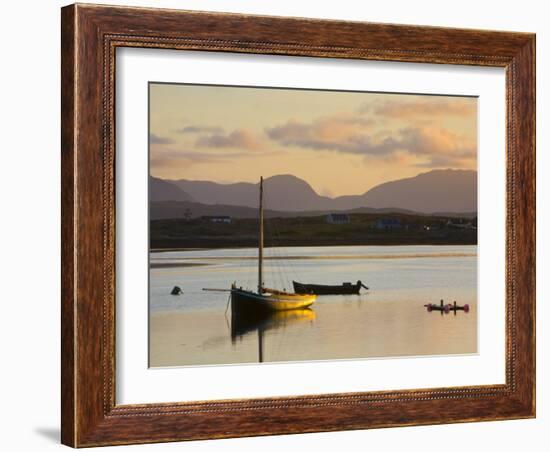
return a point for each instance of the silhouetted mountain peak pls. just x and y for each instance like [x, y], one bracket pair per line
[161, 190]
[441, 190]
[285, 178]
[288, 181]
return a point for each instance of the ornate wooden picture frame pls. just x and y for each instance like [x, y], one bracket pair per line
[90, 37]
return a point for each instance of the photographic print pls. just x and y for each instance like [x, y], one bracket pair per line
[300, 225]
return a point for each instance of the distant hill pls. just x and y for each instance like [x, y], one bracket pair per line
[161, 190]
[434, 191]
[446, 191]
[173, 209]
[284, 192]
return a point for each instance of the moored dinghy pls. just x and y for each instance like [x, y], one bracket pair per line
[266, 299]
[322, 289]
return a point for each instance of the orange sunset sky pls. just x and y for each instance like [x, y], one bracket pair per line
[340, 142]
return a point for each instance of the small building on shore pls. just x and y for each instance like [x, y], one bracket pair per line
[388, 224]
[460, 224]
[217, 219]
[338, 218]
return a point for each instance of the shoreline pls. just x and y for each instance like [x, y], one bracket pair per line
[274, 258]
[309, 245]
[177, 264]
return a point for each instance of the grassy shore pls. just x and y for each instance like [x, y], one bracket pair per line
[362, 229]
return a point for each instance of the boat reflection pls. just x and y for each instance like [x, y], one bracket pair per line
[246, 323]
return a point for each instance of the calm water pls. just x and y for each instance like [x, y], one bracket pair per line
[388, 320]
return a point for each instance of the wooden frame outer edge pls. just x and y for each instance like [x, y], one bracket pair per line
[68, 220]
[89, 414]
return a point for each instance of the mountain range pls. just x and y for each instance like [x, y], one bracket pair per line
[449, 191]
[161, 190]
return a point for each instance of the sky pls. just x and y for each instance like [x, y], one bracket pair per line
[341, 143]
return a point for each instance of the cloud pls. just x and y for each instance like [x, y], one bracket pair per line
[200, 129]
[239, 138]
[156, 139]
[344, 133]
[444, 161]
[336, 133]
[428, 106]
[430, 146]
[438, 147]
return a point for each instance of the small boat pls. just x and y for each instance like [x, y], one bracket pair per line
[176, 291]
[346, 288]
[265, 299]
[446, 308]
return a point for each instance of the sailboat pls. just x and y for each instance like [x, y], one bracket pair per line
[265, 299]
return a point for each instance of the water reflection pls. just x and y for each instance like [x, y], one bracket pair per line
[243, 323]
[197, 328]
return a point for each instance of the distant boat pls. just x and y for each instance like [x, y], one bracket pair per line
[346, 288]
[265, 299]
[446, 308]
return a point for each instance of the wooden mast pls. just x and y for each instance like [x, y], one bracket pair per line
[261, 240]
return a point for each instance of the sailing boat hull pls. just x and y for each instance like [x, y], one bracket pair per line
[245, 301]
